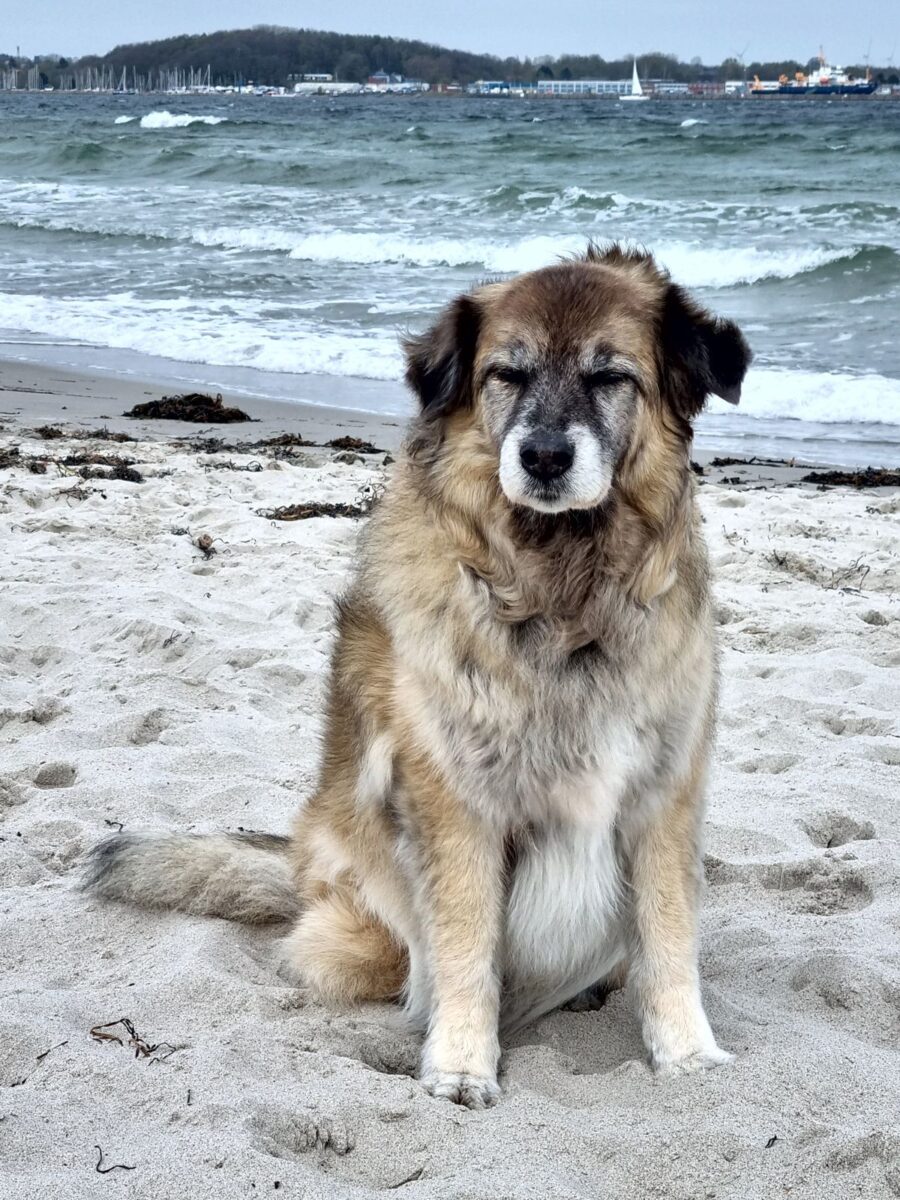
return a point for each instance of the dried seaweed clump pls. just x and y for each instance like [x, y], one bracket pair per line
[91, 465]
[193, 406]
[353, 443]
[312, 508]
[121, 471]
[108, 435]
[10, 457]
[870, 477]
[284, 439]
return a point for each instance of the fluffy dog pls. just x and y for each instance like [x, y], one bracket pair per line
[522, 693]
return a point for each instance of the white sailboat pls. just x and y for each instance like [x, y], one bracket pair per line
[637, 92]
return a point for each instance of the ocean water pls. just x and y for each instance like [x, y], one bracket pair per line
[272, 240]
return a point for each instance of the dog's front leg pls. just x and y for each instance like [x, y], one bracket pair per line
[460, 895]
[665, 871]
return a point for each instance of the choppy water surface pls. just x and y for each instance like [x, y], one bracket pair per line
[301, 236]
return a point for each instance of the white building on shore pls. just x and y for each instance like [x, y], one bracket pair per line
[584, 87]
[326, 88]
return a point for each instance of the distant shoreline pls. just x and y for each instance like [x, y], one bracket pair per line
[447, 94]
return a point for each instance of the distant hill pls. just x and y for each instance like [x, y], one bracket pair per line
[273, 55]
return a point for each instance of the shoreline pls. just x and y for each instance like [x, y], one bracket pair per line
[34, 394]
[84, 401]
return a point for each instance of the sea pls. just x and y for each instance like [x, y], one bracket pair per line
[281, 246]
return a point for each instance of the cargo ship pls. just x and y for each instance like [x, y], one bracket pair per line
[826, 80]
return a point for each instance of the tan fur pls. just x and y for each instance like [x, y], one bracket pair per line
[521, 705]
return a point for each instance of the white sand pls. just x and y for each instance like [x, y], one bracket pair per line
[142, 684]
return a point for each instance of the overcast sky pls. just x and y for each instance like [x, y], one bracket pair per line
[712, 29]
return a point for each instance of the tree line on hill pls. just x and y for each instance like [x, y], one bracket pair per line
[277, 56]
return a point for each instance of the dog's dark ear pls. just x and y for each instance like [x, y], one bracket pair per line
[702, 355]
[439, 361]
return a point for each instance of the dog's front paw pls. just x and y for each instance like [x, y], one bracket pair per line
[471, 1091]
[701, 1060]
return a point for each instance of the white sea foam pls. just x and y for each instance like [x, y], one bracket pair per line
[722, 267]
[183, 330]
[825, 397]
[123, 120]
[690, 122]
[211, 333]
[690, 264]
[166, 120]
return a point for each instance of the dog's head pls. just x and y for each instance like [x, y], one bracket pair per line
[562, 366]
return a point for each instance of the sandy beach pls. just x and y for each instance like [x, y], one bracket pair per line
[149, 683]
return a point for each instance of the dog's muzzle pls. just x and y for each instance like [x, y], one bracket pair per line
[553, 470]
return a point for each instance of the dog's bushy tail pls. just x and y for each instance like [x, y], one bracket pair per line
[239, 876]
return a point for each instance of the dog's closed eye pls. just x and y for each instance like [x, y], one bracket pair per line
[512, 376]
[607, 377]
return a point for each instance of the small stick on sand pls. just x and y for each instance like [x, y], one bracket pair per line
[42, 1056]
[101, 1170]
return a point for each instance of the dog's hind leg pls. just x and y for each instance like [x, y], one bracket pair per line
[344, 953]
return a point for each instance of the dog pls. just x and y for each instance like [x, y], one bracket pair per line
[522, 693]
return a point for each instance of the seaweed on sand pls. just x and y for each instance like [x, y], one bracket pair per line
[755, 461]
[141, 1047]
[108, 435]
[283, 440]
[353, 443]
[92, 458]
[869, 477]
[10, 456]
[367, 496]
[312, 508]
[193, 406]
[90, 465]
[86, 464]
[120, 470]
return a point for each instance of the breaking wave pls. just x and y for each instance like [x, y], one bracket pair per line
[296, 344]
[211, 333]
[824, 397]
[695, 266]
[166, 120]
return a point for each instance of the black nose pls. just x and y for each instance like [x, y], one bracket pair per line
[546, 455]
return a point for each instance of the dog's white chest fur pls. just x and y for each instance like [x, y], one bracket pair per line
[564, 921]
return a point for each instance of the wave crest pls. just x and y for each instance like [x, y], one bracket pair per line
[163, 119]
[212, 333]
[825, 397]
[692, 265]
